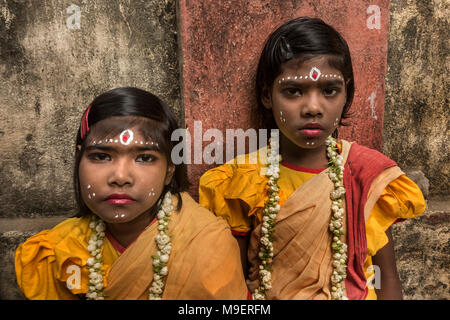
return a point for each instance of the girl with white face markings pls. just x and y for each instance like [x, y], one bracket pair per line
[305, 220]
[138, 234]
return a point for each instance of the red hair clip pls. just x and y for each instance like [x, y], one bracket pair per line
[84, 124]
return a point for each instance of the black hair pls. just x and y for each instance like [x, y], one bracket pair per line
[142, 109]
[302, 37]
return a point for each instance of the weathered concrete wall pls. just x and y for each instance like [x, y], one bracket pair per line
[50, 70]
[422, 249]
[50, 73]
[417, 111]
[416, 130]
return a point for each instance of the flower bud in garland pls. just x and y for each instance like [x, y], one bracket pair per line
[95, 262]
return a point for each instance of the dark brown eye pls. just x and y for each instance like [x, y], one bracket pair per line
[331, 91]
[98, 156]
[293, 92]
[145, 158]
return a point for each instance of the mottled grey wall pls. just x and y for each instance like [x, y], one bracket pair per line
[49, 73]
[416, 135]
[417, 111]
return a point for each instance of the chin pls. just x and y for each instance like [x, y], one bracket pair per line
[116, 217]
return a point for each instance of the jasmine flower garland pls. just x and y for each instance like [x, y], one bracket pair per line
[164, 245]
[271, 208]
[336, 175]
[95, 262]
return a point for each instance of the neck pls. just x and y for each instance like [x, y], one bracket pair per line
[127, 232]
[310, 158]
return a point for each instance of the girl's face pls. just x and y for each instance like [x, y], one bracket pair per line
[307, 100]
[122, 177]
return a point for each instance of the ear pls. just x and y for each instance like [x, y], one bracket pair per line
[266, 98]
[169, 174]
[78, 147]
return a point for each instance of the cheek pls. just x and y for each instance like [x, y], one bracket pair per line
[284, 117]
[88, 183]
[152, 188]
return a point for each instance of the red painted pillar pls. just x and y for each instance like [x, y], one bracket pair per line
[221, 42]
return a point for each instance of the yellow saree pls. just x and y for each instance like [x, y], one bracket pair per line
[204, 263]
[302, 248]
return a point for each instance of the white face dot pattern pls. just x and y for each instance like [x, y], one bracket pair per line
[336, 122]
[282, 118]
[314, 75]
[125, 138]
[90, 195]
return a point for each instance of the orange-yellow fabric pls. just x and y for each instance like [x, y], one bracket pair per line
[237, 191]
[204, 262]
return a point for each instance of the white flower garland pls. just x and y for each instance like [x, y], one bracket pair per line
[164, 245]
[95, 262]
[336, 175]
[160, 259]
[271, 208]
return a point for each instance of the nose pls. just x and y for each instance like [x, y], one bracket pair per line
[121, 173]
[312, 106]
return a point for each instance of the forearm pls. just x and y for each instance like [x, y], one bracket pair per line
[390, 285]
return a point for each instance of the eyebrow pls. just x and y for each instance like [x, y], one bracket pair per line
[114, 148]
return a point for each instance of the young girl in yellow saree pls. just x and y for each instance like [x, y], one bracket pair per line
[313, 216]
[137, 234]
